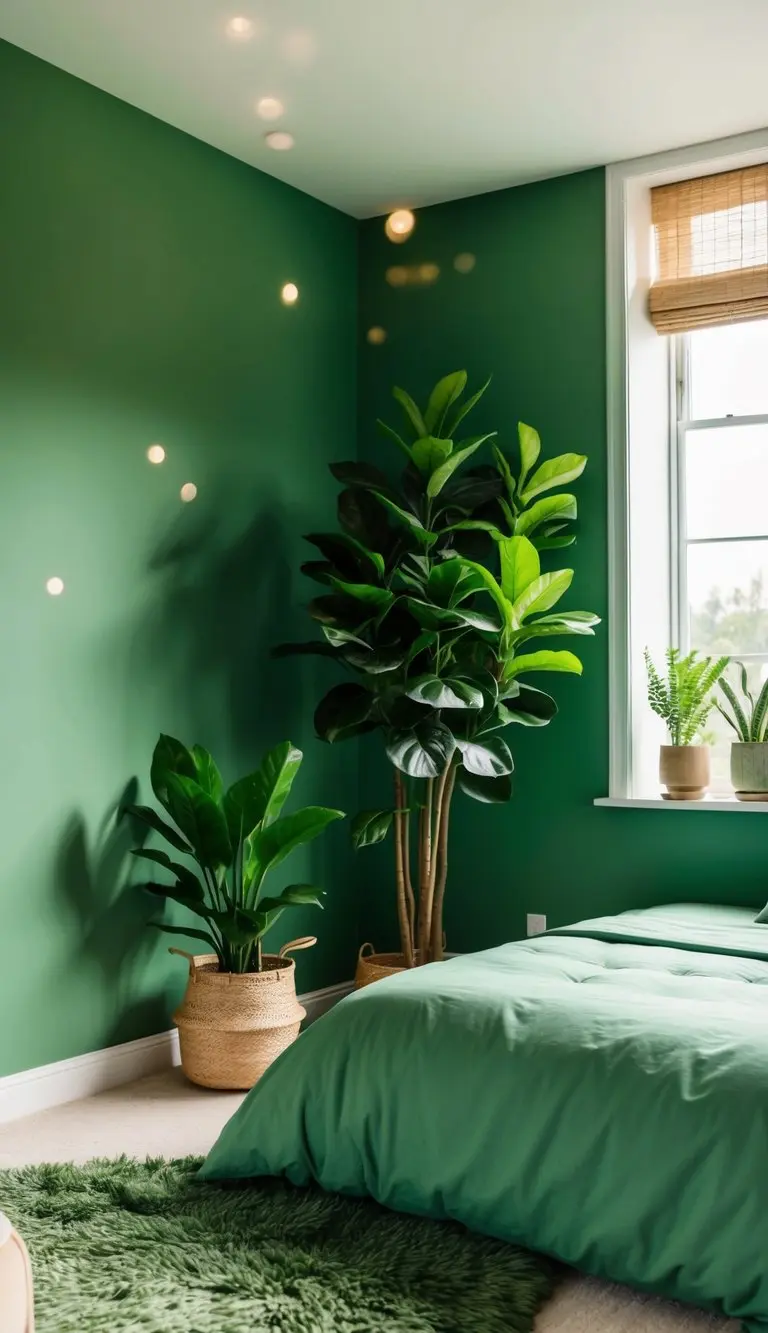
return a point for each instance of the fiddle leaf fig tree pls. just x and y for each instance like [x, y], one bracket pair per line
[433, 604]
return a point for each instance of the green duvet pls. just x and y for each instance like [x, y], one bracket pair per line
[599, 1093]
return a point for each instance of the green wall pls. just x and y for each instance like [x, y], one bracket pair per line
[532, 311]
[140, 273]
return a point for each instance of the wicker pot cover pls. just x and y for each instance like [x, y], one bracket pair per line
[373, 966]
[232, 1026]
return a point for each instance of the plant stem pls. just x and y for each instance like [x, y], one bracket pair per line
[406, 935]
[405, 902]
[441, 859]
[436, 810]
[425, 875]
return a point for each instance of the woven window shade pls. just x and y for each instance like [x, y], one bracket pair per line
[711, 250]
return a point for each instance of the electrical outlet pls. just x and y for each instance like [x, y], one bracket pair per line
[536, 925]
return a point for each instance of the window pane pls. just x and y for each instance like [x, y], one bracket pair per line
[726, 482]
[729, 371]
[728, 597]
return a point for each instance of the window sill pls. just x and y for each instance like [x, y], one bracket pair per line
[657, 803]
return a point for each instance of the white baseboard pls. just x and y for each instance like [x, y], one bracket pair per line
[85, 1075]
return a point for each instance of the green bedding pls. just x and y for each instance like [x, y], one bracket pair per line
[599, 1093]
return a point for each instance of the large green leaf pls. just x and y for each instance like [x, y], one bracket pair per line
[191, 933]
[176, 893]
[528, 706]
[554, 472]
[429, 452]
[170, 756]
[530, 448]
[269, 846]
[562, 622]
[149, 816]
[465, 408]
[393, 435]
[207, 772]
[450, 582]
[200, 819]
[542, 593]
[296, 895]
[375, 662]
[445, 471]
[477, 525]
[422, 534]
[345, 552]
[545, 660]
[489, 757]
[259, 797]
[421, 751]
[493, 791]
[370, 827]
[187, 878]
[520, 566]
[339, 637]
[344, 706]
[505, 472]
[470, 490]
[411, 411]
[448, 693]
[491, 586]
[361, 516]
[440, 617]
[552, 506]
[360, 474]
[319, 570]
[311, 648]
[443, 396]
[365, 592]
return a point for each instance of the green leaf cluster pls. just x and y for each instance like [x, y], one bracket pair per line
[683, 699]
[234, 838]
[748, 719]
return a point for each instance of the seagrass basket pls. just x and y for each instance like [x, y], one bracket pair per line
[375, 966]
[231, 1025]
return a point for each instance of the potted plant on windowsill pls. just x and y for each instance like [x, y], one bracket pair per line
[683, 702]
[439, 644]
[240, 1008]
[749, 754]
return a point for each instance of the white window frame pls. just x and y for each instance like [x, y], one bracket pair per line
[644, 452]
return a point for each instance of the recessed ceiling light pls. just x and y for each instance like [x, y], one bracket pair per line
[280, 140]
[399, 225]
[188, 491]
[55, 587]
[155, 453]
[269, 108]
[241, 29]
[289, 294]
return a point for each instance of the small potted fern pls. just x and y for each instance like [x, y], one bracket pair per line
[749, 753]
[683, 701]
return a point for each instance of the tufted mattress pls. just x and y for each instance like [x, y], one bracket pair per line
[598, 1093]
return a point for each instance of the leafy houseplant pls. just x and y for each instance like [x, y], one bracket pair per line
[749, 752]
[432, 590]
[234, 838]
[683, 701]
[240, 1008]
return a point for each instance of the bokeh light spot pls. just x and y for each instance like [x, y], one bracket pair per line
[55, 587]
[464, 263]
[155, 453]
[269, 108]
[241, 29]
[376, 335]
[289, 294]
[188, 491]
[399, 225]
[279, 140]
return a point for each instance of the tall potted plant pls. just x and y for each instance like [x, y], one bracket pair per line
[748, 717]
[240, 1008]
[684, 701]
[433, 603]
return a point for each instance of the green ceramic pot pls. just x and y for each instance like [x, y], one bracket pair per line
[749, 770]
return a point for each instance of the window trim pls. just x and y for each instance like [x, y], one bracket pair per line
[624, 180]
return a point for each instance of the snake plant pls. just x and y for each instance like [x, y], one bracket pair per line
[750, 719]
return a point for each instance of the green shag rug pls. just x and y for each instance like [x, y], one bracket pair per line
[141, 1247]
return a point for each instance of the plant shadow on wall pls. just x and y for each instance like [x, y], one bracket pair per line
[92, 876]
[220, 594]
[436, 603]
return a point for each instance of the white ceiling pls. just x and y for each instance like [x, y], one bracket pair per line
[416, 101]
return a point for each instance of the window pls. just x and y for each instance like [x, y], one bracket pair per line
[720, 479]
[687, 307]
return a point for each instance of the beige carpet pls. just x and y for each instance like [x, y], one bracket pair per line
[166, 1116]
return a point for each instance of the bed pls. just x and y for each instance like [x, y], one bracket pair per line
[598, 1093]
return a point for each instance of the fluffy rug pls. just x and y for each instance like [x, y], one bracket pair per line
[129, 1247]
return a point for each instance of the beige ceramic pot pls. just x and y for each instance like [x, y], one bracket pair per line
[232, 1026]
[684, 771]
[749, 770]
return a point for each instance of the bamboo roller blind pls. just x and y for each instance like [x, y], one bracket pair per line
[711, 250]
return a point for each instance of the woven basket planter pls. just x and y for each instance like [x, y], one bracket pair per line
[231, 1025]
[375, 966]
